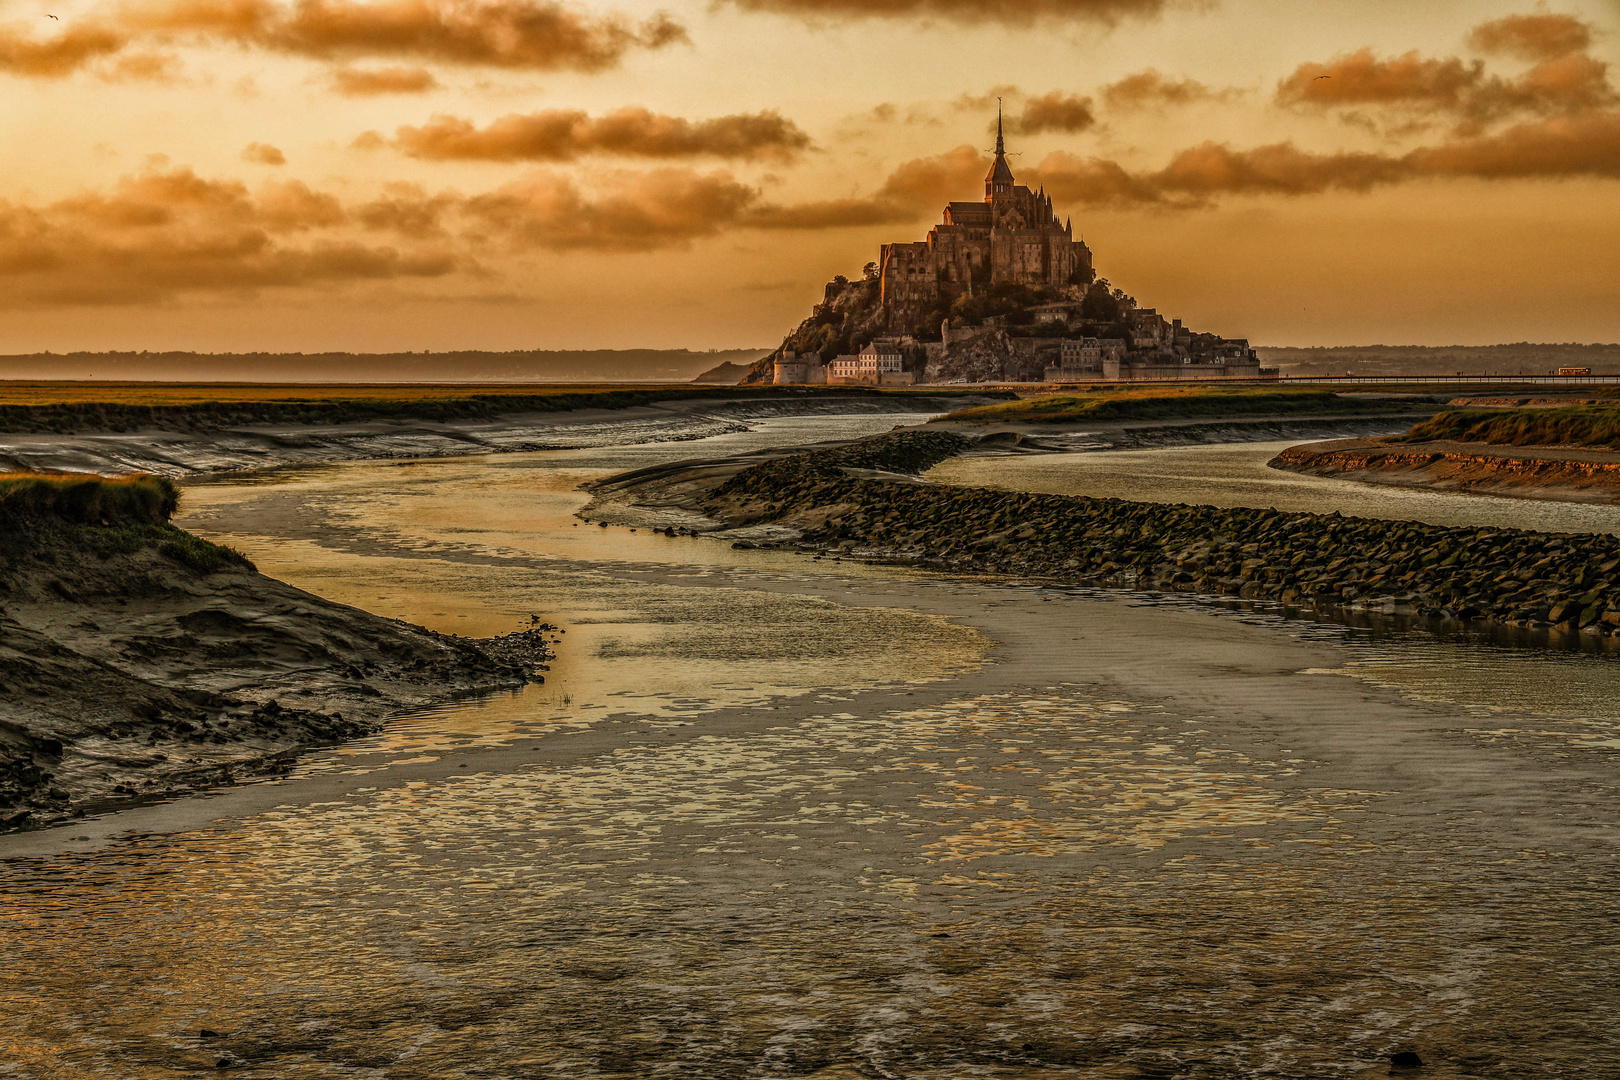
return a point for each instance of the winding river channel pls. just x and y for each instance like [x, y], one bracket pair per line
[779, 817]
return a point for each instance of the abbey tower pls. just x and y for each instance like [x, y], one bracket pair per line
[1011, 236]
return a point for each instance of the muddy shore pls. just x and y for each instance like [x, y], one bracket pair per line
[867, 500]
[1566, 475]
[218, 441]
[139, 662]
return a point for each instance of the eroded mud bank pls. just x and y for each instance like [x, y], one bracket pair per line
[137, 661]
[1521, 472]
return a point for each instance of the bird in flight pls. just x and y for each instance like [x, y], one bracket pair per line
[1320, 77]
[52, 17]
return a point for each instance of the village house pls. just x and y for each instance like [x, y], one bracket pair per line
[878, 364]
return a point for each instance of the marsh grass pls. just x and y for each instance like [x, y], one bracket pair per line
[111, 516]
[1594, 426]
[85, 499]
[1175, 403]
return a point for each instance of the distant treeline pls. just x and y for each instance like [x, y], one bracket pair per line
[1519, 358]
[535, 365]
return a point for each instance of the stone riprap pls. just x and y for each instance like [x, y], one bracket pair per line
[840, 501]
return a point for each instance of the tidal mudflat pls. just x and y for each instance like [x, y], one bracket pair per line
[771, 817]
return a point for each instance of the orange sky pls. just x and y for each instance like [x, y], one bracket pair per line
[432, 174]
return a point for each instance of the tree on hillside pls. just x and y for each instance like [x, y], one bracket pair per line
[1100, 305]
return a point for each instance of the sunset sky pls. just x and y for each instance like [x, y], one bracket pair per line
[433, 174]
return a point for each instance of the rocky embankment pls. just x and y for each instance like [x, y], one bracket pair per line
[866, 500]
[138, 661]
[1568, 475]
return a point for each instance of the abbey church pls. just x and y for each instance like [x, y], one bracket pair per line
[1011, 236]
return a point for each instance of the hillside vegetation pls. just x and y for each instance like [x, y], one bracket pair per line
[1177, 402]
[1579, 425]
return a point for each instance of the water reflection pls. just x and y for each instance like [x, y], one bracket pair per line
[944, 892]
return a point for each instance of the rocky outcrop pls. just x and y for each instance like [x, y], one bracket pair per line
[1526, 472]
[975, 356]
[838, 501]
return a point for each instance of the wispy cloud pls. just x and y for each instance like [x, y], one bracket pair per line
[566, 134]
[530, 34]
[1011, 12]
[372, 82]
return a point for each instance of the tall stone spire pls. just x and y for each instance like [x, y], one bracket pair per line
[1000, 179]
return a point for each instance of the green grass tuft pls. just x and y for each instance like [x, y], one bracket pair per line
[88, 500]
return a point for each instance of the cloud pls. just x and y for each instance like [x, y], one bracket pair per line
[1558, 147]
[1148, 89]
[57, 57]
[915, 189]
[1011, 12]
[1360, 78]
[540, 35]
[1541, 36]
[1555, 148]
[163, 234]
[667, 207]
[1056, 111]
[1568, 82]
[409, 210]
[370, 82]
[263, 154]
[566, 134]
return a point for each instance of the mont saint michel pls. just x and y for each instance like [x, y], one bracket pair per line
[1000, 290]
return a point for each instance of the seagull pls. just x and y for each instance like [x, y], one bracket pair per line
[1321, 77]
[49, 16]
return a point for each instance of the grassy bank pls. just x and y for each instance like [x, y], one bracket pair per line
[86, 499]
[1178, 403]
[110, 516]
[92, 406]
[1334, 563]
[1594, 426]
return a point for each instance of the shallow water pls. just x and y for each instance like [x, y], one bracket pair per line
[775, 818]
[1235, 474]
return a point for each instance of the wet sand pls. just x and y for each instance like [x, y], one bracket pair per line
[835, 821]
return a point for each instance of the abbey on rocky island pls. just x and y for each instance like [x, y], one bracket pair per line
[1000, 291]
[1012, 236]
